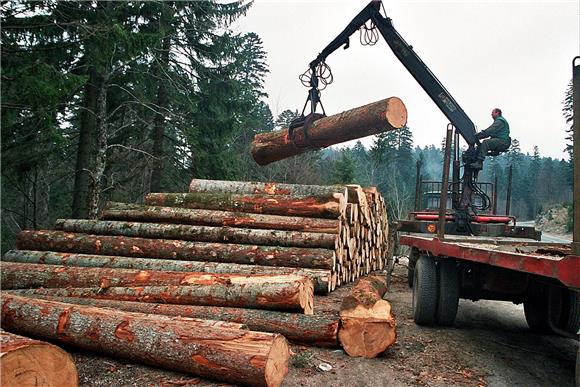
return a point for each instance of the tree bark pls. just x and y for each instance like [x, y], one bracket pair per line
[230, 355]
[321, 278]
[259, 188]
[175, 249]
[144, 213]
[381, 116]
[320, 330]
[368, 326]
[28, 362]
[293, 294]
[198, 233]
[87, 146]
[329, 206]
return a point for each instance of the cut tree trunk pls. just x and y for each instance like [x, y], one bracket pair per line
[368, 326]
[230, 355]
[329, 206]
[381, 116]
[198, 233]
[215, 218]
[294, 294]
[320, 278]
[259, 188]
[320, 330]
[28, 362]
[174, 249]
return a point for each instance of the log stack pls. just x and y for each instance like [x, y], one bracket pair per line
[251, 254]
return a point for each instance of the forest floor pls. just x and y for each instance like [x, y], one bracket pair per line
[490, 345]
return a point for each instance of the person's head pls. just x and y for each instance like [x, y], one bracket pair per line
[496, 113]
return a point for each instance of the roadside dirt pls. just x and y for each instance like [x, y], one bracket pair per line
[490, 345]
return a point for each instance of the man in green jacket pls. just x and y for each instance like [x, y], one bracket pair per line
[499, 138]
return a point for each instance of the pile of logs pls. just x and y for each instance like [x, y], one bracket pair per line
[224, 273]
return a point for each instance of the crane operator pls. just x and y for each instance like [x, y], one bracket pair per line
[499, 138]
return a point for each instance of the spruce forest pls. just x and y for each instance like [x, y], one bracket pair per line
[113, 100]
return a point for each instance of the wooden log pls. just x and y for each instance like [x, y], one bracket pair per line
[231, 355]
[288, 294]
[322, 279]
[367, 324]
[381, 116]
[144, 213]
[28, 362]
[320, 330]
[329, 206]
[314, 258]
[198, 233]
[260, 188]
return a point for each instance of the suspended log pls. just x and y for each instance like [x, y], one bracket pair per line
[198, 233]
[368, 326]
[322, 279]
[381, 116]
[329, 206]
[320, 330]
[175, 249]
[28, 362]
[144, 213]
[291, 294]
[259, 188]
[231, 355]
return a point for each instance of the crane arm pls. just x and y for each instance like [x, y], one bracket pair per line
[418, 69]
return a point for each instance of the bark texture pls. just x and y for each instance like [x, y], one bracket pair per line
[381, 116]
[230, 355]
[329, 206]
[28, 362]
[216, 218]
[320, 330]
[320, 278]
[292, 295]
[175, 249]
[260, 188]
[198, 233]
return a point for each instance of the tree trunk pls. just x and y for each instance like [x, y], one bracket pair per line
[175, 249]
[320, 330]
[377, 117]
[144, 213]
[294, 294]
[259, 188]
[159, 120]
[329, 206]
[87, 147]
[230, 355]
[320, 278]
[368, 326]
[102, 145]
[198, 233]
[28, 362]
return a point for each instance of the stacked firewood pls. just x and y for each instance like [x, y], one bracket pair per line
[249, 254]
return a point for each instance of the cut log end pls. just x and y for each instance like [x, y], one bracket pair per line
[277, 363]
[396, 112]
[368, 339]
[27, 362]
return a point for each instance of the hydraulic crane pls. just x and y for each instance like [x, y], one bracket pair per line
[371, 23]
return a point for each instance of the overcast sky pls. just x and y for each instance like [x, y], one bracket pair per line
[515, 55]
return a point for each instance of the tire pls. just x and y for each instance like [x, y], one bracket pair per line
[413, 255]
[543, 304]
[570, 316]
[448, 295]
[425, 291]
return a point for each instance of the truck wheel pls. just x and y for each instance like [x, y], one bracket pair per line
[425, 291]
[543, 305]
[448, 299]
[413, 256]
[570, 320]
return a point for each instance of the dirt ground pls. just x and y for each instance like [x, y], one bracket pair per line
[490, 345]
